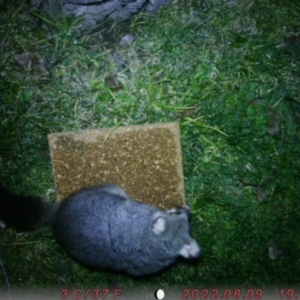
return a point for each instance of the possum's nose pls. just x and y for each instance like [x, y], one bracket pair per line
[191, 250]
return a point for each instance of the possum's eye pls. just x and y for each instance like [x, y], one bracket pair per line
[159, 225]
[173, 211]
[178, 211]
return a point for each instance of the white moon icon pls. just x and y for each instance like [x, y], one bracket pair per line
[159, 294]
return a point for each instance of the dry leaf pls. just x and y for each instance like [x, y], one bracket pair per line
[256, 101]
[261, 194]
[127, 40]
[23, 60]
[293, 40]
[273, 123]
[188, 112]
[274, 251]
[113, 82]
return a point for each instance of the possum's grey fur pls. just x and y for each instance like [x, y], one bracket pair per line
[103, 228]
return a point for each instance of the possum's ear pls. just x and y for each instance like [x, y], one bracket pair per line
[159, 225]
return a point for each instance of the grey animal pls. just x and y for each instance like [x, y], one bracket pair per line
[103, 228]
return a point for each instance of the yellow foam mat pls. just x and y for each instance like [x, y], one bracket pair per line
[145, 160]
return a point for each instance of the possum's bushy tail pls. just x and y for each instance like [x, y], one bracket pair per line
[24, 213]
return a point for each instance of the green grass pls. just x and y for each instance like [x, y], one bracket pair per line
[226, 72]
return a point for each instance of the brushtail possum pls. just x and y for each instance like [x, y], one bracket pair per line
[102, 227]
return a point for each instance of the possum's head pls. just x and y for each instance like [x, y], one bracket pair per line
[173, 228]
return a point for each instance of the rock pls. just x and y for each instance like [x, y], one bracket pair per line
[96, 11]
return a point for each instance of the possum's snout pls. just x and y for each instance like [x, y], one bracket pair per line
[191, 250]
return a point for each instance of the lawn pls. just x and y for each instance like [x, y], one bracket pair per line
[227, 71]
